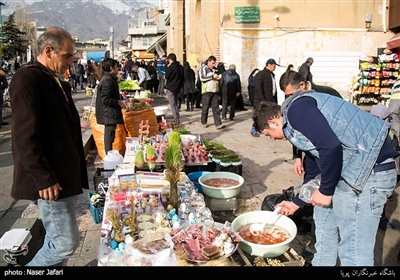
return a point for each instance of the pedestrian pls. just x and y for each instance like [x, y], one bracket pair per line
[143, 76]
[209, 90]
[355, 161]
[109, 102]
[265, 88]
[174, 83]
[47, 146]
[161, 67]
[79, 72]
[305, 71]
[198, 94]
[250, 86]
[189, 85]
[91, 69]
[231, 89]
[153, 83]
[72, 78]
[3, 86]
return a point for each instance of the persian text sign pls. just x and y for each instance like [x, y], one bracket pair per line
[247, 14]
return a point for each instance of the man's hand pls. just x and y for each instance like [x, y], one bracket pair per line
[51, 193]
[298, 167]
[288, 208]
[122, 104]
[318, 199]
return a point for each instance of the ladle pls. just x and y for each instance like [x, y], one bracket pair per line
[257, 228]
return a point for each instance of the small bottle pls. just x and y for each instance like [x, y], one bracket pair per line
[307, 189]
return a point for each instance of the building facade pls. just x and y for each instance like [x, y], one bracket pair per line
[337, 34]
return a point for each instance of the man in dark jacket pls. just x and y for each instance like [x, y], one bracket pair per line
[47, 148]
[174, 82]
[265, 87]
[231, 89]
[305, 71]
[109, 102]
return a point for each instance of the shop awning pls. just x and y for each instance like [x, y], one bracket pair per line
[394, 42]
[160, 41]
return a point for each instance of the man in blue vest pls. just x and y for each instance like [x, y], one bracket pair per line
[161, 65]
[351, 152]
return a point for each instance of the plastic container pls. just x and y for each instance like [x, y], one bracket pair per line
[112, 158]
[307, 189]
[194, 177]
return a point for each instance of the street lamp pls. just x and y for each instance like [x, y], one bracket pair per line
[1, 32]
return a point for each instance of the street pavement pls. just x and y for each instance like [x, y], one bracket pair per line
[267, 169]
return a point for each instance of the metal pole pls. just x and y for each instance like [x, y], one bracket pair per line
[112, 41]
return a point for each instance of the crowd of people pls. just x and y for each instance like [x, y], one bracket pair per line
[353, 151]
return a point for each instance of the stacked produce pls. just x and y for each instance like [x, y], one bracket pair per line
[128, 85]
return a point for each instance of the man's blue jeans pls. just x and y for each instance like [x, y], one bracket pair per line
[62, 234]
[347, 228]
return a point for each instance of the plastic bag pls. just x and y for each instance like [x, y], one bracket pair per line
[271, 200]
[307, 189]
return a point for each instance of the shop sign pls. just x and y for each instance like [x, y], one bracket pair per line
[247, 14]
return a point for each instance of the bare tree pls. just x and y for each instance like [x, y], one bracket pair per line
[22, 20]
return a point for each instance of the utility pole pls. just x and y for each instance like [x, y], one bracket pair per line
[112, 41]
[1, 33]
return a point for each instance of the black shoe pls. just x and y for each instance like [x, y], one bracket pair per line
[199, 107]
[243, 109]
[187, 109]
[224, 118]
[231, 119]
[191, 109]
[255, 134]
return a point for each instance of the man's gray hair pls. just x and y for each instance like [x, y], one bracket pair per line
[55, 37]
[232, 66]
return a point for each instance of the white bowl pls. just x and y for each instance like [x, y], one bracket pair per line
[265, 251]
[222, 193]
[160, 110]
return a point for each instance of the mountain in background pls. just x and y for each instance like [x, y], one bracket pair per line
[87, 19]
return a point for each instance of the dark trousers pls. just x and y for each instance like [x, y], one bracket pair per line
[225, 104]
[197, 98]
[109, 136]
[79, 80]
[239, 102]
[190, 100]
[210, 99]
[251, 94]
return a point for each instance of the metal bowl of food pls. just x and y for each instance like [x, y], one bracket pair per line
[283, 229]
[221, 184]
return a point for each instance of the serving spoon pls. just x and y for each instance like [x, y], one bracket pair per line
[258, 228]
